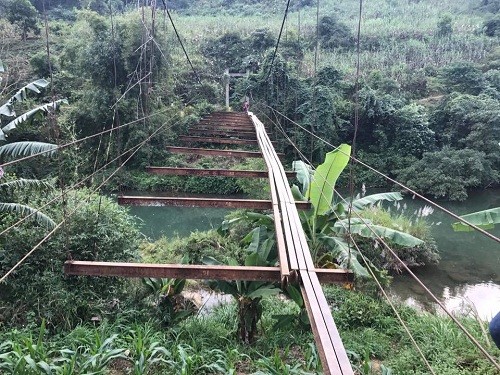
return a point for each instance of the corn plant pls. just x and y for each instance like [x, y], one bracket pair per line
[146, 351]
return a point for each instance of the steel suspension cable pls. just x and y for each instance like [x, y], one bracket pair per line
[356, 121]
[75, 185]
[180, 41]
[278, 41]
[72, 143]
[21, 261]
[423, 286]
[413, 192]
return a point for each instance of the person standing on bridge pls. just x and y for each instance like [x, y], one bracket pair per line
[246, 104]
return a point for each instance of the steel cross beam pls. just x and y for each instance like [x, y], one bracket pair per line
[214, 152]
[171, 171]
[192, 272]
[256, 204]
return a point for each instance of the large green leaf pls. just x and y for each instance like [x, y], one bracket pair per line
[322, 186]
[26, 148]
[304, 172]
[363, 229]
[25, 183]
[374, 198]
[35, 112]
[23, 210]
[264, 291]
[8, 109]
[484, 219]
[297, 194]
[347, 258]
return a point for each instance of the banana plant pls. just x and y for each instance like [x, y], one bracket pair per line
[486, 219]
[24, 148]
[261, 251]
[327, 223]
[171, 305]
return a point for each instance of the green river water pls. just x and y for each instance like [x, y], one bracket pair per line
[468, 274]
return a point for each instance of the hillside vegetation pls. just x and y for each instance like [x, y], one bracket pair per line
[109, 81]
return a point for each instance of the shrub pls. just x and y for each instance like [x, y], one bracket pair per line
[96, 228]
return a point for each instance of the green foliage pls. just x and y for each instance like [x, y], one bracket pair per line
[484, 219]
[22, 13]
[449, 173]
[463, 77]
[98, 230]
[248, 294]
[492, 26]
[444, 28]
[334, 34]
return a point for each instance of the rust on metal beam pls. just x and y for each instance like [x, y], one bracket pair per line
[213, 152]
[217, 140]
[223, 133]
[171, 171]
[330, 347]
[255, 204]
[189, 271]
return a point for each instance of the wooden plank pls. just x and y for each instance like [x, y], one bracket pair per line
[278, 228]
[189, 271]
[288, 237]
[171, 171]
[255, 204]
[217, 140]
[295, 254]
[328, 342]
[214, 152]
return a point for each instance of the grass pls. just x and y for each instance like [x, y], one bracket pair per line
[207, 344]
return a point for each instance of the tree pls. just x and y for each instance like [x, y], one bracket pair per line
[98, 230]
[444, 28]
[24, 14]
[334, 34]
[463, 77]
[449, 173]
[261, 251]
[468, 121]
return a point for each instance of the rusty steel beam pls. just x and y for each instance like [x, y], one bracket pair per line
[222, 133]
[171, 171]
[230, 141]
[188, 271]
[213, 152]
[254, 204]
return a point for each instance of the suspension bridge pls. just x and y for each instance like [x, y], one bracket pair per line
[295, 262]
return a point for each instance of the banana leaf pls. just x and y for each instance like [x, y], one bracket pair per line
[26, 148]
[362, 229]
[340, 251]
[23, 210]
[359, 204]
[304, 172]
[483, 219]
[322, 186]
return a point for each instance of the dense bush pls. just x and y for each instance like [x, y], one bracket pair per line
[96, 228]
